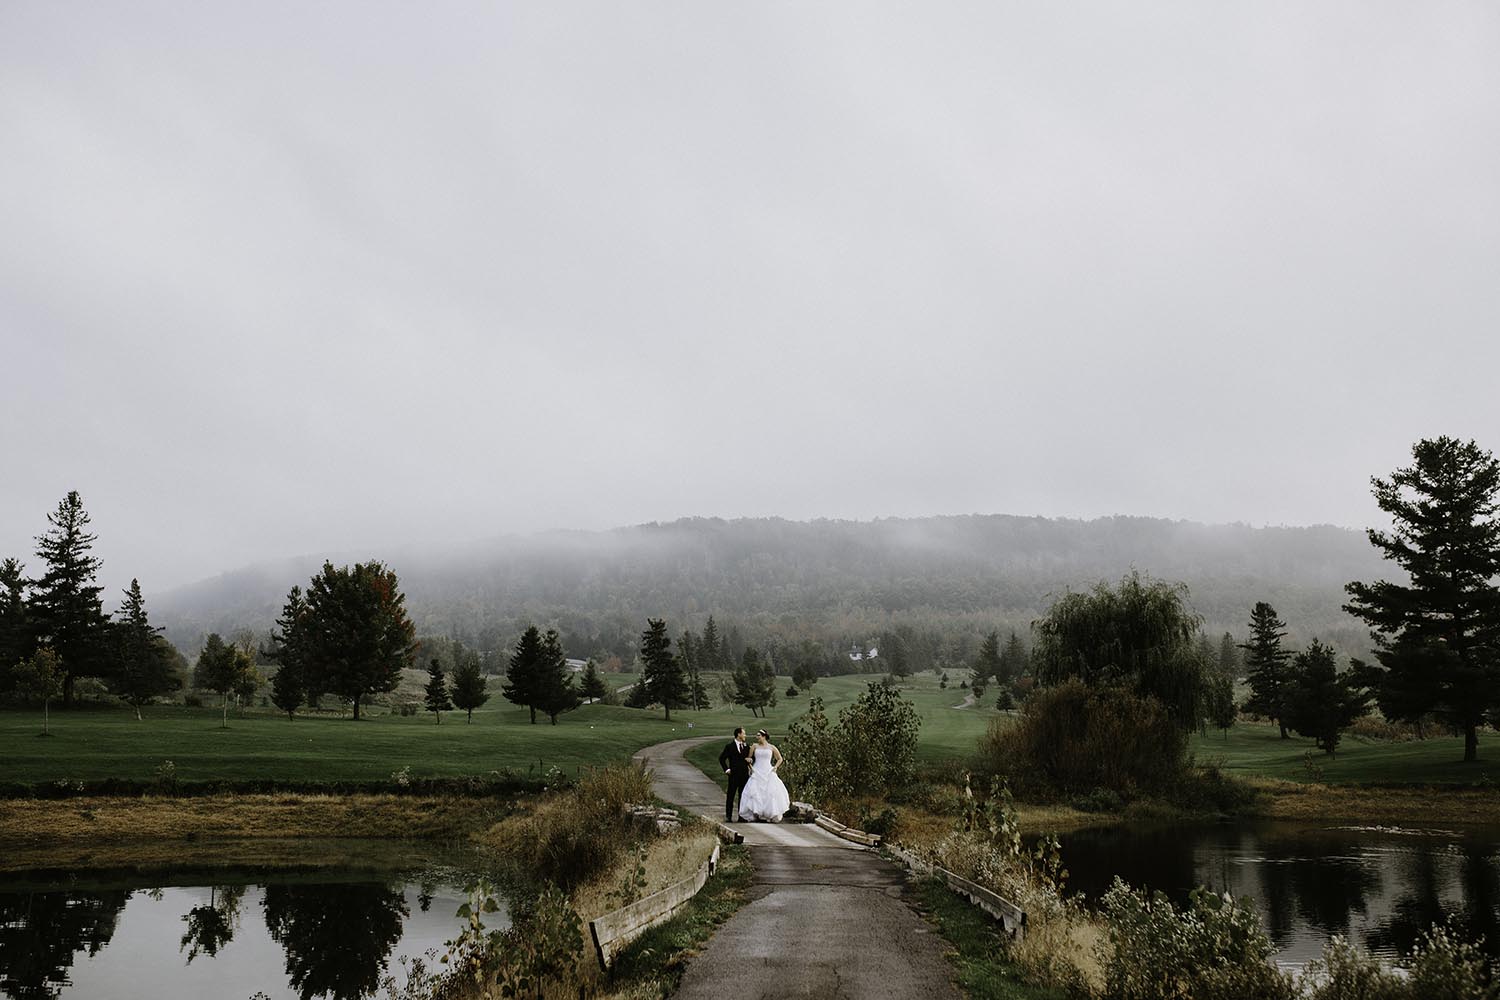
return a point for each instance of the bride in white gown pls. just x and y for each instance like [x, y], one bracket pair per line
[765, 798]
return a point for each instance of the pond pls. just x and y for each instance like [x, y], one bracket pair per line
[1377, 886]
[329, 933]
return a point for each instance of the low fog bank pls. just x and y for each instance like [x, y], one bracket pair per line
[833, 581]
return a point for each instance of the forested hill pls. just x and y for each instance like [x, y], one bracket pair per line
[836, 582]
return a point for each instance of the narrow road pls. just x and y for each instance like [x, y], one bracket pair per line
[825, 917]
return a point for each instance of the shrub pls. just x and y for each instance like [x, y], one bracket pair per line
[1100, 800]
[871, 750]
[882, 822]
[1443, 967]
[792, 692]
[1346, 972]
[1440, 967]
[1076, 739]
[1214, 949]
[192, 700]
[574, 834]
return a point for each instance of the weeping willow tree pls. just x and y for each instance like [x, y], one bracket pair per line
[1141, 635]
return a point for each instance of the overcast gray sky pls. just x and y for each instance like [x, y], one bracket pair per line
[293, 278]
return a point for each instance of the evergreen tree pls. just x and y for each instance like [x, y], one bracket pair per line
[1229, 656]
[687, 652]
[65, 604]
[1015, 661]
[286, 690]
[523, 678]
[1266, 665]
[593, 687]
[221, 668]
[555, 692]
[990, 664]
[711, 648]
[143, 665]
[734, 644]
[661, 673]
[1320, 702]
[468, 686]
[15, 632]
[893, 647]
[289, 644]
[1437, 637]
[436, 695]
[354, 632]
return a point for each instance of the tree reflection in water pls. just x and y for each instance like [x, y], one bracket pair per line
[337, 938]
[1323, 874]
[42, 932]
[1463, 886]
[211, 927]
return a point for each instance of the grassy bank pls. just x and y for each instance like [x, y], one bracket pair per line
[1252, 749]
[979, 953]
[268, 830]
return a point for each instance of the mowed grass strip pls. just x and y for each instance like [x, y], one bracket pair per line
[1257, 749]
[95, 743]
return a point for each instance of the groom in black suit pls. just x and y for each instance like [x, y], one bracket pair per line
[732, 760]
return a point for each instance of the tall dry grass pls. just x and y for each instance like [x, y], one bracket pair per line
[573, 835]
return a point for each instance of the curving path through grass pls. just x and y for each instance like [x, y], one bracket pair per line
[826, 918]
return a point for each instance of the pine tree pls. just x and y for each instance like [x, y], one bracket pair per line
[990, 665]
[523, 678]
[289, 644]
[662, 674]
[1438, 636]
[1320, 702]
[894, 648]
[436, 695]
[469, 690]
[711, 647]
[555, 692]
[1015, 661]
[687, 652]
[286, 690]
[593, 687]
[354, 632]
[15, 631]
[1266, 665]
[1229, 656]
[143, 666]
[65, 604]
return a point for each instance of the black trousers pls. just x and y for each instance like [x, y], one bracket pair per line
[736, 785]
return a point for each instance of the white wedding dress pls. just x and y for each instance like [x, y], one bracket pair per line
[765, 797]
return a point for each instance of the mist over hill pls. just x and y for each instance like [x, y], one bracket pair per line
[836, 582]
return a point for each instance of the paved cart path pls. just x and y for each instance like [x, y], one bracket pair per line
[825, 917]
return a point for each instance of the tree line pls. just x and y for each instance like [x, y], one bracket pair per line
[54, 630]
[1436, 634]
[943, 583]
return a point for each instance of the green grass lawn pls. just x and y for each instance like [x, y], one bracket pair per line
[1257, 749]
[96, 743]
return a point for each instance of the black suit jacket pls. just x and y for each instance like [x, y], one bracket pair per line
[734, 762]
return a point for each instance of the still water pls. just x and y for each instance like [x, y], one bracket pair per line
[332, 935]
[1378, 886]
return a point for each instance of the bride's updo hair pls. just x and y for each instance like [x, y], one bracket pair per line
[762, 732]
